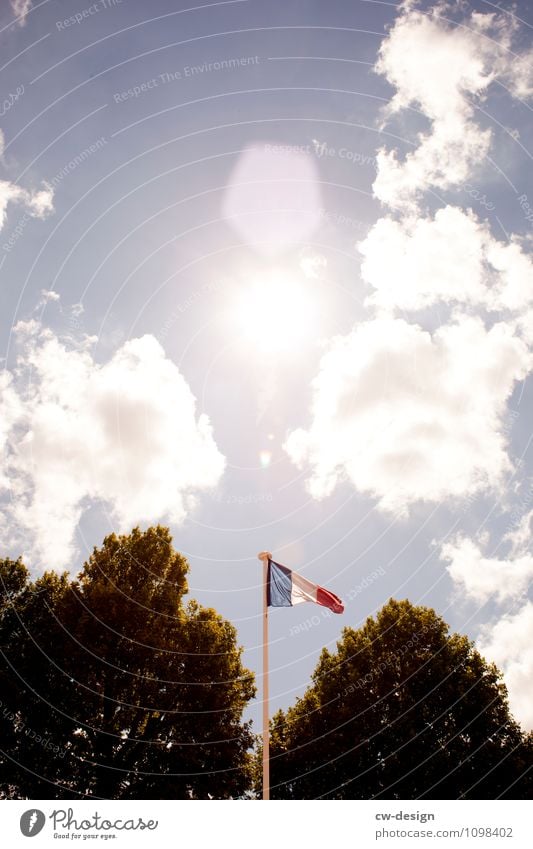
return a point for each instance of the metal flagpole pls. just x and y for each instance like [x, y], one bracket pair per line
[265, 556]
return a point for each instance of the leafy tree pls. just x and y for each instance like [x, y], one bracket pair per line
[112, 687]
[402, 710]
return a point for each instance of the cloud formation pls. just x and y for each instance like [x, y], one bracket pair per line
[125, 432]
[508, 639]
[449, 258]
[444, 70]
[509, 643]
[38, 203]
[10, 411]
[21, 9]
[404, 414]
[481, 578]
[408, 416]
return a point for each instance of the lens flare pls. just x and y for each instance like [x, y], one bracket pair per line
[265, 458]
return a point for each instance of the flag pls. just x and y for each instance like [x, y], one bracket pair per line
[286, 588]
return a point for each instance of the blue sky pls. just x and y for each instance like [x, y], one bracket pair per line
[266, 277]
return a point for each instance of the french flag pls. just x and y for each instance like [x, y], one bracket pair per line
[286, 588]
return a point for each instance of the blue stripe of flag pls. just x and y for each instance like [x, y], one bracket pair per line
[279, 587]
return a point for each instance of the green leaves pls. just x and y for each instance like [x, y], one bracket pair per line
[402, 710]
[142, 695]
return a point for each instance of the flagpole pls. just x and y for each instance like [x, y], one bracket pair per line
[265, 556]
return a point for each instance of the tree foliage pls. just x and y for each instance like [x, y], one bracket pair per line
[112, 686]
[402, 710]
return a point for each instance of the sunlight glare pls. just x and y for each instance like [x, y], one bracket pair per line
[276, 313]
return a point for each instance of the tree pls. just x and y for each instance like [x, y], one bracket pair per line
[112, 687]
[402, 710]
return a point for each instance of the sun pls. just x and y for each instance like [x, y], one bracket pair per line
[276, 312]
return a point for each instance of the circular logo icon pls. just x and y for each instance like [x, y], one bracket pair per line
[32, 822]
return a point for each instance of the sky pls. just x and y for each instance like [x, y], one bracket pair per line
[265, 277]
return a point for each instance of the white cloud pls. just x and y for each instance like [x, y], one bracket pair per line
[10, 411]
[125, 432]
[521, 536]
[452, 72]
[406, 416]
[48, 296]
[451, 258]
[8, 192]
[482, 578]
[509, 643]
[525, 326]
[519, 76]
[39, 203]
[442, 70]
[21, 9]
